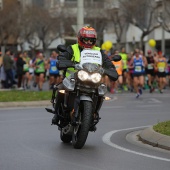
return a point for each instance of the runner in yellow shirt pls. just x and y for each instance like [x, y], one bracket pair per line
[124, 56]
[161, 66]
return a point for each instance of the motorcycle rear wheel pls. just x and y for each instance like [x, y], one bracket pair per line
[80, 132]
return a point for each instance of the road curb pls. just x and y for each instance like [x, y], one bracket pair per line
[155, 139]
[25, 104]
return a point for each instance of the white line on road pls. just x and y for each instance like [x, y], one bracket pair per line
[113, 107]
[153, 100]
[149, 105]
[106, 139]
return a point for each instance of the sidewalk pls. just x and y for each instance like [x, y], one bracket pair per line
[155, 139]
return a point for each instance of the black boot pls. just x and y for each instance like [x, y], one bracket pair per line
[55, 119]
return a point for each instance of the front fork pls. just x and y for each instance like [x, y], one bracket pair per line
[97, 106]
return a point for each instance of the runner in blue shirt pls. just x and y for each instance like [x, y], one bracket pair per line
[53, 71]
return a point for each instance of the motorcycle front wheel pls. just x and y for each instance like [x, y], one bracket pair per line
[80, 132]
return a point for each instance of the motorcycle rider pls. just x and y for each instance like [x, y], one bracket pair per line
[87, 37]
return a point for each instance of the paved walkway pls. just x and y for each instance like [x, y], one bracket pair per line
[155, 139]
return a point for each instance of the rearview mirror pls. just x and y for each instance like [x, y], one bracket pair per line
[62, 48]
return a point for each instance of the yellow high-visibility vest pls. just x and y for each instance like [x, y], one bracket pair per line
[76, 57]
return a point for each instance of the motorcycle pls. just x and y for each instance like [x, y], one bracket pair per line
[80, 96]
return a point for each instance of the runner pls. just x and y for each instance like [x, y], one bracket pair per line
[125, 67]
[117, 86]
[168, 62]
[39, 64]
[139, 62]
[161, 66]
[150, 70]
[26, 81]
[2, 72]
[31, 72]
[53, 71]
[130, 72]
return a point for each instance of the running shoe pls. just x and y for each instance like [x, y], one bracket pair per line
[160, 91]
[34, 84]
[152, 89]
[137, 95]
[125, 88]
[140, 91]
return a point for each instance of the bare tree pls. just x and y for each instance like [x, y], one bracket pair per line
[141, 13]
[119, 23]
[9, 28]
[97, 18]
[165, 14]
[40, 27]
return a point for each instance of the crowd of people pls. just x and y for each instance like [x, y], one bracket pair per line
[136, 71]
[24, 72]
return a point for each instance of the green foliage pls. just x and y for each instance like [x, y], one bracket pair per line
[14, 95]
[163, 128]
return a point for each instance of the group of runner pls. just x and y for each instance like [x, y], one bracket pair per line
[137, 70]
[46, 68]
[37, 70]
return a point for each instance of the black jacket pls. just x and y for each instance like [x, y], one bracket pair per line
[20, 63]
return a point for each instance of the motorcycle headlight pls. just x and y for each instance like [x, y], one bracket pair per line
[96, 77]
[82, 75]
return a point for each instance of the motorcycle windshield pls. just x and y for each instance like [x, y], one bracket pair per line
[91, 56]
[90, 67]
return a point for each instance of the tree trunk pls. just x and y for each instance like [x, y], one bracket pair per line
[142, 43]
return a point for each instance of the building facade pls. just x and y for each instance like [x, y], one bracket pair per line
[95, 12]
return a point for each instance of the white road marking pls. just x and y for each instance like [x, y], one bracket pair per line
[149, 105]
[153, 100]
[106, 140]
[113, 107]
[135, 106]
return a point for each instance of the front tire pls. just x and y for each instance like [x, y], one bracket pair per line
[80, 132]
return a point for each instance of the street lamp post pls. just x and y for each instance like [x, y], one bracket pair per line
[80, 14]
[160, 20]
[163, 40]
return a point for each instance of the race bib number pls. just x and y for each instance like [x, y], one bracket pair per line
[117, 66]
[161, 69]
[91, 56]
[41, 69]
[26, 66]
[138, 69]
[53, 68]
[150, 67]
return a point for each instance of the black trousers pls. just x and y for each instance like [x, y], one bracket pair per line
[9, 78]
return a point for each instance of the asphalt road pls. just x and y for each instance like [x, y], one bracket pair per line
[29, 142]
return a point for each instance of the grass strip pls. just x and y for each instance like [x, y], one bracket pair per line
[14, 95]
[163, 128]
